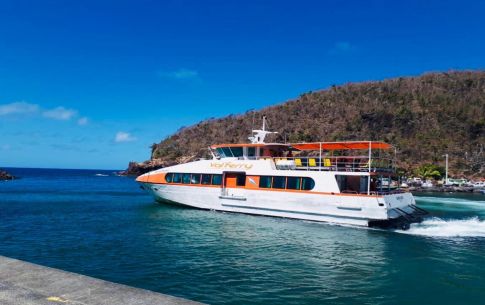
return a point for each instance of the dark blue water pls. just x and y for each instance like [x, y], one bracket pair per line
[106, 227]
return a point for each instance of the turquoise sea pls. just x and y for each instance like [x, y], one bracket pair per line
[105, 226]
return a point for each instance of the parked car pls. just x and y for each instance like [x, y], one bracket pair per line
[456, 182]
[477, 184]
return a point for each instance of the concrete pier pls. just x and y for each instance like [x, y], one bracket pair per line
[23, 283]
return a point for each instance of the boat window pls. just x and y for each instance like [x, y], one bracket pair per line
[237, 151]
[251, 151]
[169, 177]
[351, 184]
[216, 179]
[341, 181]
[241, 180]
[293, 183]
[177, 178]
[227, 152]
[265, 182]
[195, 179]
[307, 183]
[279, 182]
[220, 152]
[363, 184]
[186, 178]
[206, 179]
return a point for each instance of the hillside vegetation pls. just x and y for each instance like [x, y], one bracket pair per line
[425, 117]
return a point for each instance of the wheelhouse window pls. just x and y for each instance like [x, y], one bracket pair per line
[279, 182]
[216, 179]
[227, 152]
[206, 179]
[265, 182]
[237, 151]
[251, 152]
[220, 152]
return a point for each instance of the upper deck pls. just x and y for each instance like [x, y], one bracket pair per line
[353, 156]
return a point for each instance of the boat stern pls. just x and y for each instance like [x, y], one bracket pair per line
[401, 212]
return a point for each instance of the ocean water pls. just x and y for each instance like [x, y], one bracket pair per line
[105, 226]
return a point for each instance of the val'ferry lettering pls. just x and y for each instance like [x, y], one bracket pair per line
[230, 165]
[338, 182]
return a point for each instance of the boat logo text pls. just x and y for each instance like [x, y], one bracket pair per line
[231, 165]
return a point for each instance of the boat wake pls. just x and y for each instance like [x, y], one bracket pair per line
[449, 200]
[101, 175]
[451, 204]
[437, 227]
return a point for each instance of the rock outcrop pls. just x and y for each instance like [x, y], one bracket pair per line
[6, 176]
[139, 168]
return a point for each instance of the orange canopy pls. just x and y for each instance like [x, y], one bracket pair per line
[342, 145]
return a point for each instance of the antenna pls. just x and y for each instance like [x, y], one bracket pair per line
[260, 134]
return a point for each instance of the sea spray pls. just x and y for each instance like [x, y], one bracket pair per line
[450, 200]
[437, 227]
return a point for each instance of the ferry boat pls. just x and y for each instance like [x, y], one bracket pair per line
[336, 182]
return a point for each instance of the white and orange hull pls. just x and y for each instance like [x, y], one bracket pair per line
[323, 201]
[337, 208]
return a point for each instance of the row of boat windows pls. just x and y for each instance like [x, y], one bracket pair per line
[207, 179]
[276, 182]
[291, 183]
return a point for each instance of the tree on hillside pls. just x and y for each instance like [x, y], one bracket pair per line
[429, 171]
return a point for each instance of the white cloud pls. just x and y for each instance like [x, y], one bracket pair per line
[82, 121]
[60, 113]
[18, 108]
[181, 74]
[124, 137]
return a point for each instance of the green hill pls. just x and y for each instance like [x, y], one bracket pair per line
[425, 117]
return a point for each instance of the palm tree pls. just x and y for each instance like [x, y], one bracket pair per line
[428, 171]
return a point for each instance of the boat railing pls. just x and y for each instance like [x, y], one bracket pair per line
[334, 163]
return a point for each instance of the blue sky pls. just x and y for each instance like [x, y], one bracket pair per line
[92, 84]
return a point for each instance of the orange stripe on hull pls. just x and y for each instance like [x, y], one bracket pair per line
[274, 190]
[153, 178]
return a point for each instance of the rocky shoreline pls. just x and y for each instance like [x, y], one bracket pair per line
[444, 189]
[139, 168]
[6, 176]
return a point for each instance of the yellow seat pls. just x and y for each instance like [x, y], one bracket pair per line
[327, 163]
[298, 162]
[312, 162]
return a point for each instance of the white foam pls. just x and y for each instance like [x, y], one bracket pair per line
[450, 200]
[436, 227]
